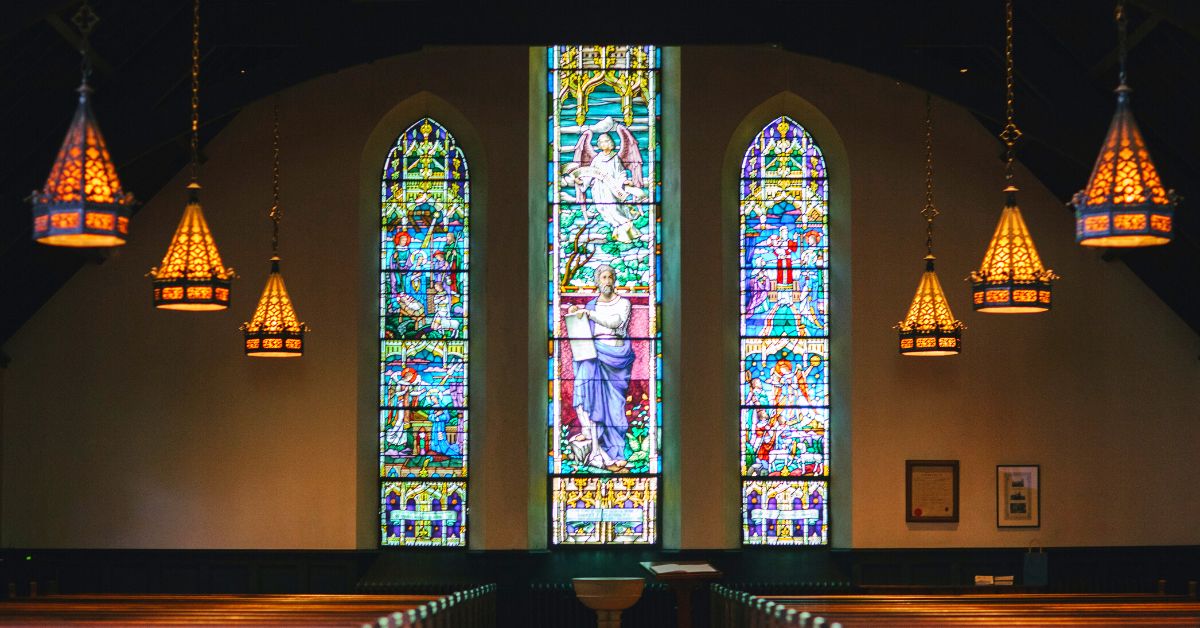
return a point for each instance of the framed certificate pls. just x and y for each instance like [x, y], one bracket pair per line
[931, 491]
[1018, 496]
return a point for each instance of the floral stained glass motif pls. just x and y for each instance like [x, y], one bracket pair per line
[604, 232]
[784, 383]
[423, 340]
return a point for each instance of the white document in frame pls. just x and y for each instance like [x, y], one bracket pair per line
[579, 330]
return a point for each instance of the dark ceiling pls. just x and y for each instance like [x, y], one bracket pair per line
[1065, 60]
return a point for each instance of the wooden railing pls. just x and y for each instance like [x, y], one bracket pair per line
[736, 609]
[473, 608]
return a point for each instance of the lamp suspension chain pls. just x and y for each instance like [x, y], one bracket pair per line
[1010, 134]
[1122, 50]
[929, 211]
[276, 210]
[195, 146]
[85, 20]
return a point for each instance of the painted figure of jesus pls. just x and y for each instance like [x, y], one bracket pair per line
[602, 383]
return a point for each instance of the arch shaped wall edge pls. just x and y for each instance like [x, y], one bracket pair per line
[375, 150]
[838, 165]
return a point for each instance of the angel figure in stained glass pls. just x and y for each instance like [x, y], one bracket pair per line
[790, 384]
[611, 174]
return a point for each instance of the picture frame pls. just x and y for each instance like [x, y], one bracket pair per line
[931, 491]
[1018, 496]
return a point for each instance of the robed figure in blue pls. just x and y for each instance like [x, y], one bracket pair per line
[602, 382]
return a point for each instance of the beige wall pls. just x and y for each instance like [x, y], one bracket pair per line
[128, 427]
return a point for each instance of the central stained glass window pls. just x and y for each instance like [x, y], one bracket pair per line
[423, 340]
[605, 246]
[784, 264]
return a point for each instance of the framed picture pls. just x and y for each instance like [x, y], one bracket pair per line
[1018, 496]
[931, 491]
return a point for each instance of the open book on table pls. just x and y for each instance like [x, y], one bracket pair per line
[682, 568]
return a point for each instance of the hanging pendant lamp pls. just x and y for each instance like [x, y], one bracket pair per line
[930, 328]
[1124, 203]
[192, 275]
[274, 331]
[1012, 278]
[82, 203]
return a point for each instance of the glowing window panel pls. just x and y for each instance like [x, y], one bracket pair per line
[785, 512]
[784, 368]
[423, 513]
[423, 340]
[784, 442]
[604, 293]
[593, 510]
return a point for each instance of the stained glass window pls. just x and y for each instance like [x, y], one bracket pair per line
[423, 349]
[784, 262]
[605, 242]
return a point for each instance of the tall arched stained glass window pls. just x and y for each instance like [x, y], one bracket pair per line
[784, 383]
[605, 244]
[423, 335]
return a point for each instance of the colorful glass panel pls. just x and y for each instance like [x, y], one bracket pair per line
[596, 510]
[784, 384]
[785, 512]
[604, 226]
[424, 513]
[423, 340]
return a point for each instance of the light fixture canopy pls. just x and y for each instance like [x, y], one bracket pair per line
[82, 203]
[930, 328]
[1124, 203]
[192, 276]
[274, 331]
[1012, 278]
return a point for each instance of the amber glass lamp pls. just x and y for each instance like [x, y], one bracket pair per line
[82, 203]
[1124, 203]
[930, 328]
[1012, 278]
[274, 331]
[192, 275]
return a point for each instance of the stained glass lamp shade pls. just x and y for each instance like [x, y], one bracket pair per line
[1012, 279]
[1124, 203]
[82, 203]
[274, 331]
[192, 276]
[930, 328]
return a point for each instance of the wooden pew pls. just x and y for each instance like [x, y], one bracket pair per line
[471, 609]
[1022, 609]
[737, 609]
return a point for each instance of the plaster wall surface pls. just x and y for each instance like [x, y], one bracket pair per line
[126, 427]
